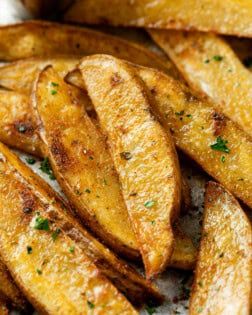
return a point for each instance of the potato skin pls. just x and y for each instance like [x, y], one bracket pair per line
[146, 162]
[9, 291]
[210, 16]
[213, 70]
[223, 274]
[40, 38]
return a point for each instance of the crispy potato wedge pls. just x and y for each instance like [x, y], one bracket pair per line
[9, 291]
[58, 212]
[195, 126]
[146, 163]
[213, 70]
[40, 38]
[3, 308]
[17, 123]
[185, 195]
[222, 282]
[20, 75]
[215, 16]
[101, 206]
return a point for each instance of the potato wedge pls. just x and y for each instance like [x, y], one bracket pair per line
[147, 164]
[20, 75]
[215, 16]
[213, 70]
[3, 308]
[108, 209]
[9, 291]
[58, 213]
[17, 123]
[40, 38]
[195, 126]
[222, 278]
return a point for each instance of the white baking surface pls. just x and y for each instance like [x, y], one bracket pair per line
[172, 283]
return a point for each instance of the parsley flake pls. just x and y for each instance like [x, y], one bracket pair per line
[71, 249]
[217, 58]
[30, 161]
[46, 168]
[54, 92]
[39, 271]
[55, 234]
[150, 203]
[150, 310]
[55, 84]
[41, 224]
[220, 145]
[91, 305]
[29, 250]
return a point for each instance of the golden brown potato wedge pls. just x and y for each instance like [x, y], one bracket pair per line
[185, 195]
[222, 282]
[195, 127]
[82, 178]
[9, 291]
[3, 308]
[146, 162]
[40, 38]
[212, 69]
[20, 75]
[30, 190]
[17, 123]
[232, 17]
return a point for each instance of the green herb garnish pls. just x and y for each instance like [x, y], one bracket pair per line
[39, 271]
[30, 161]
[150, 203]
[54, 92]
[42, 224]
[46, 168]
[91, 305]
[217, 58]
[220, 145]
[29, 250]
[55, 234]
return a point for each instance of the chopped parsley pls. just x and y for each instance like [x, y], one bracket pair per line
[46, 168]
[220, 145]
[150, 310]
[105, 182]
[55, 84]
[223, 159]
[240, 179]
[152, 222]
[189, 115]
[199, 309]
[207, 61]
[221, 255]
[30, 161]
[167, 116]
[91, 158]
[91, 305]
[167, 95]
[200, 284]
[77, 192]
[39, 271]
[88, 191]
[29, 250]
[42, 224]
[217, 58]
[55, 234]
[150, 203]
[71, 249]
[54, 92]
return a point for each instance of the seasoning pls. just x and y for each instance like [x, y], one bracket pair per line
[42, 224]
[150, 203]
[220, 145]
[55, 234]
[29, 250]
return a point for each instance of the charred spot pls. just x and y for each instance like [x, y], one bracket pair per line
[59, 153]
[24, 126]
[153, 90]
[116, 79]
[28, 201]
[189, 97]
[218, 123]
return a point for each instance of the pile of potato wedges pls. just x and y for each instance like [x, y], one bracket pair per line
[109, 118]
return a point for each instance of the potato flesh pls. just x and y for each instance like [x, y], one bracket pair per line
[146, 163]
[62, 269]
[227, 17]
[213, 70]
[222, 279]
[40, 38]
[17, 124]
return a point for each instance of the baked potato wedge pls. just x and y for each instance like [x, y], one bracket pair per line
[208, 16]
[146, 163]
[59, 213]
[9, 291]
[17, 123]
[40, 38]
[222, 282]
[74, 133]
[20, 75]
[213, 70]
[195, 127]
